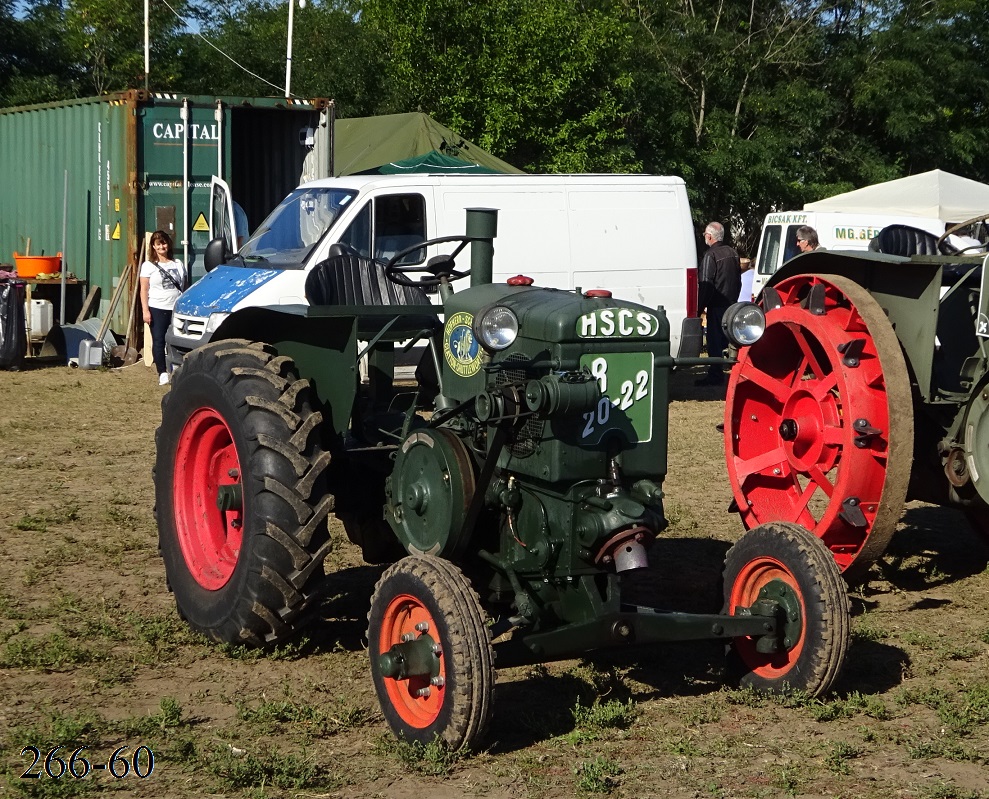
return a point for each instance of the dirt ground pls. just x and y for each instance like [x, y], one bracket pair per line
[92, 652]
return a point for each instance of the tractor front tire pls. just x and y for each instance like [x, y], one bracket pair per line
[240, 491]
[781, 559]
[424, 595]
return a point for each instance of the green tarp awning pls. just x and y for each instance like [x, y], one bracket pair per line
[431, 162]
[365, 144]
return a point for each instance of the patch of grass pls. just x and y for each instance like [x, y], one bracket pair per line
[267, 715]
[434, 759]
[947, 747]
[38, 522]
[54, 651]
[839, 755]
[785, 777]
[961, 713]
[293, 650]
[937, 646]
[269, 767]
[56, 728]
[866, 629]
[854, 703]
[945, 790]
[160, 635]
[600, 775]
[605, 715]
[683, 745]
[168, 717]
[703, 713]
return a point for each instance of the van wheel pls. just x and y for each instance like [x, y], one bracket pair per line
[240, 490]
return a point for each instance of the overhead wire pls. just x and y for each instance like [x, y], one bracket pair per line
[229, 58]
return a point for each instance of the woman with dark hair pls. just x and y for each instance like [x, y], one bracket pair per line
[162, 281]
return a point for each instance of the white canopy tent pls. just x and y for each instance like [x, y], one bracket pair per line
[934, 194]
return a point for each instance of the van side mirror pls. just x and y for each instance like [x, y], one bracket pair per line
[216, 253]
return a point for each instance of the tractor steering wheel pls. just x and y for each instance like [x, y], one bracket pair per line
[439, 266]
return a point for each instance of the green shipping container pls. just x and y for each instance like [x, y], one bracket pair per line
[99, 172]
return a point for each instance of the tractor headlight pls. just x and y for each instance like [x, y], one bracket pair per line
[744, 323]
[497, 328]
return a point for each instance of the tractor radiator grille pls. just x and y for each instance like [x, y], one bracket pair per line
[524, 442]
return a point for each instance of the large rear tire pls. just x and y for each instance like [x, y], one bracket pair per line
[787, 564]
[240, 492]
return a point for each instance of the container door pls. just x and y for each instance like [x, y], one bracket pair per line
[222, 222]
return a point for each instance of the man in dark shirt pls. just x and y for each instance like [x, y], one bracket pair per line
[719, 280]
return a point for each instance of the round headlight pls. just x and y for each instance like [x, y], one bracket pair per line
[497, 328]
[744, 323]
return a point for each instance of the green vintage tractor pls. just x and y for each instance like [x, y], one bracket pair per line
[510, 489]
[869, 387]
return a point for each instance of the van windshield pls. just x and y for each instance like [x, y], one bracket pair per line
[285, 239]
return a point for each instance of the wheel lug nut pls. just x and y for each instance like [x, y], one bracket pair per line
[439, 682]
[437, 649]
[422, 627]
[423, 692]
[407, 637]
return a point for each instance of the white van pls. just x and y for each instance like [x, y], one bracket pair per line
[631, 234]
[835, 231]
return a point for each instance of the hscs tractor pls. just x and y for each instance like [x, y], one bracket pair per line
[510, 489]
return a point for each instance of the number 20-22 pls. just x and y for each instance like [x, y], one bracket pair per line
[629, 393]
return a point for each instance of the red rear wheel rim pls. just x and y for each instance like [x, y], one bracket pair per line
[790, 422]
[754, 576]
[210, 538]
[400, 618]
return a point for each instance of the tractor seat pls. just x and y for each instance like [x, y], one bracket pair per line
[353, 280]
[906, 241]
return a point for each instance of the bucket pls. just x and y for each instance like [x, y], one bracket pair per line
[33, 265]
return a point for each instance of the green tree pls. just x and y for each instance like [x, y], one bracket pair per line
[922, 93]
[34, 65]
[332, 54]
[544, 84]
[732, 104]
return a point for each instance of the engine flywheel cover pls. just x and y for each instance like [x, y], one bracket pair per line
[431, 488]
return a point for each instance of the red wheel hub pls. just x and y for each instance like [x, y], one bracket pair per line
[756, 575]
[807, 418]
[418, 700]
[206, 466]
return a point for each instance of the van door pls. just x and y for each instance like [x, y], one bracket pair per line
[388, 224]
[221, 214]
[778, 245]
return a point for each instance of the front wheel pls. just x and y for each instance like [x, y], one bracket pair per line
[431, 658]
[240, 490]
[786, 567]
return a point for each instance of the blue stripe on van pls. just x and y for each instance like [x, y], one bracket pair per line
[222, 289]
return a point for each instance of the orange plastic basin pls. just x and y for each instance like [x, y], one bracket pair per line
[34, 265]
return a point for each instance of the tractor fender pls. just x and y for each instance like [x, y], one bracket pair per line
[323, 347]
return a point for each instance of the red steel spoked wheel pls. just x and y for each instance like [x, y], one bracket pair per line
[819, 419]
[210, 536]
